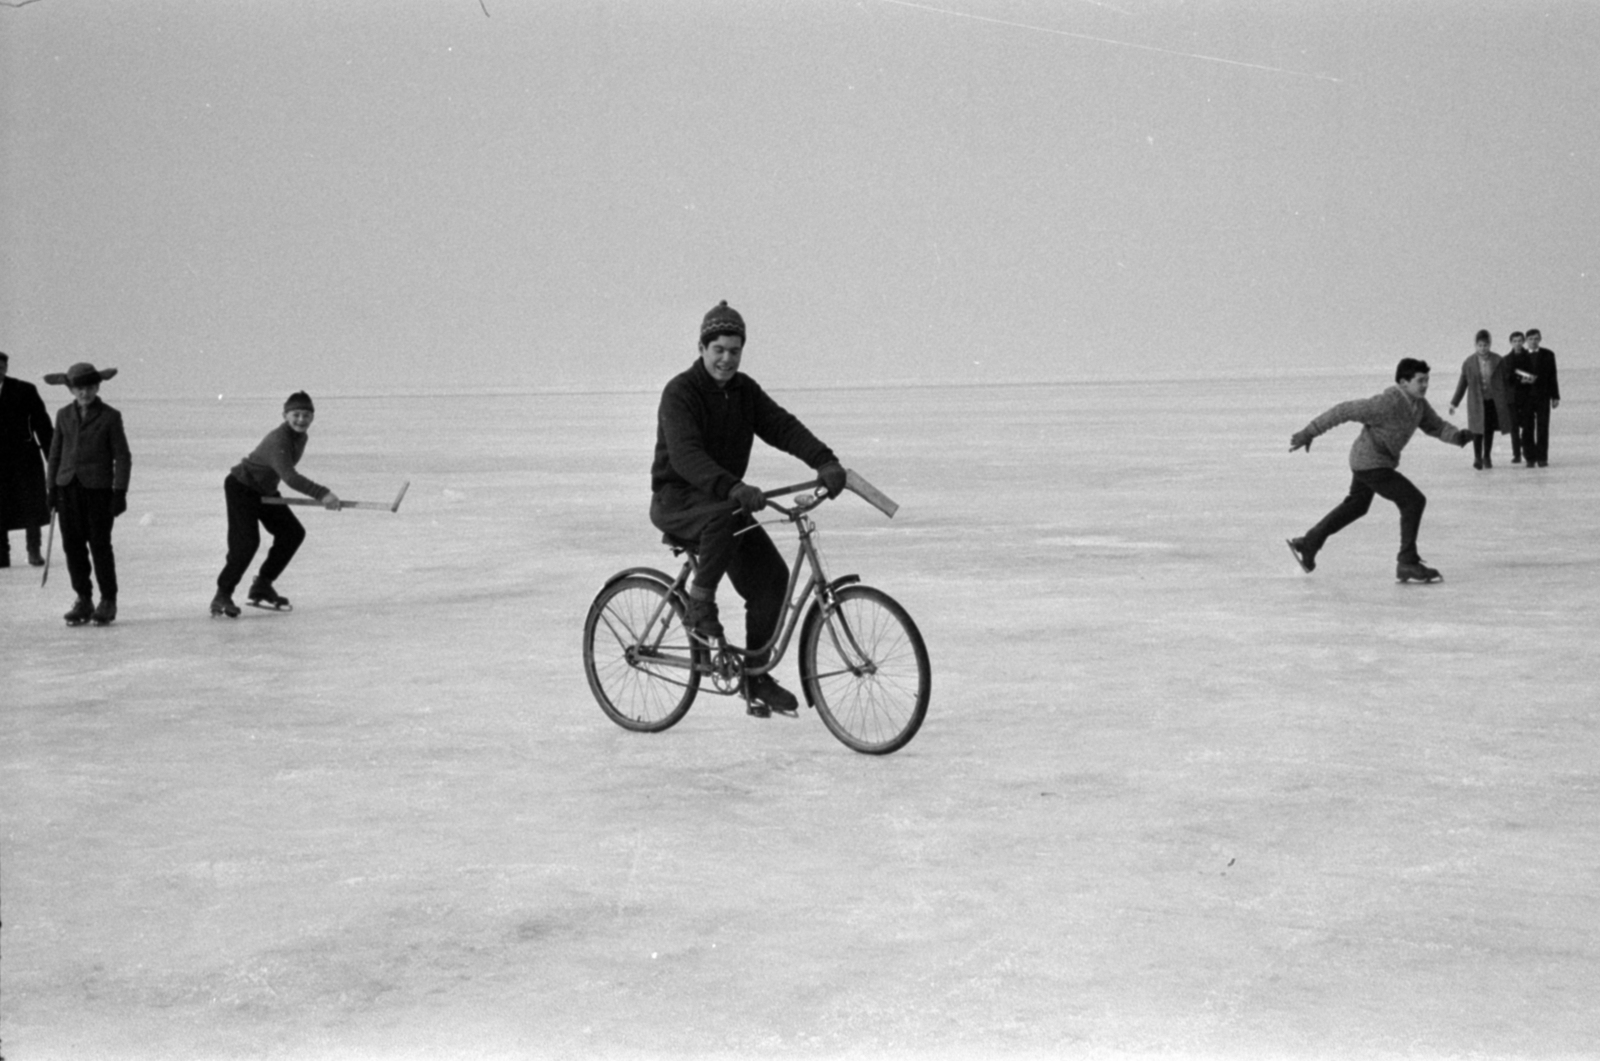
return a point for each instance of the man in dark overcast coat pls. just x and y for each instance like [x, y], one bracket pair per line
[25, 433]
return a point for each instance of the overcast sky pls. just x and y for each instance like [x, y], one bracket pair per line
[396, 195]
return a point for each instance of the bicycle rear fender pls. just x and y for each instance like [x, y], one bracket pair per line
[813, 617]
[662, 577]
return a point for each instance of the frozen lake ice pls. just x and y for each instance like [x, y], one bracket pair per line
[1173, 797]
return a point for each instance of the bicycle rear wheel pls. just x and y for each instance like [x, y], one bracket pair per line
[866, 669]
[634, 626]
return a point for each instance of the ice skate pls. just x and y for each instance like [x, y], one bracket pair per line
[1306, 558]
[262, 595]
[81, 612]
[1416, 571]
[222, 605]
[106, 612]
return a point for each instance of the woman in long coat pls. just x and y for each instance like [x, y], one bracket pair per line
[1488, 405]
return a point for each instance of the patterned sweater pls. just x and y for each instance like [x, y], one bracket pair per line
[1390, 419]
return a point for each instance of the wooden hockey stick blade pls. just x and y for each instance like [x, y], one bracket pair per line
[380, 506]
[49, 548]
[870, 494]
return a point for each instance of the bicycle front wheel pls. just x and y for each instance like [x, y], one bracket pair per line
[634, 650]
[866, 670]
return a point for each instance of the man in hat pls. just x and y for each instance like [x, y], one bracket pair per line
[88, 477]
[1388, 421]
[25, 434]
[707, 422]
[246, 488]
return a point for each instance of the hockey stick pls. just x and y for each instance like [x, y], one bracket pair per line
[49, 547]
[870, 494]
[381, 506]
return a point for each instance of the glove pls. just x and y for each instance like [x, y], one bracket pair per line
[832, 475]
[119, 502]
[1300, 440]
[1465, 437]
[750, 498]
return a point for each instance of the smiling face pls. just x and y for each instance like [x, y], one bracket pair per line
[299, 420]
[721, 357]
[1416, 386]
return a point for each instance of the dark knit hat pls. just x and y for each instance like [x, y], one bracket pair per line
[299, 400]
[80, 375]
[722, 320]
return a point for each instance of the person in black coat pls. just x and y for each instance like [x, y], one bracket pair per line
[1516, 366]
[25, 434]
[709, 418]
[1544, 394]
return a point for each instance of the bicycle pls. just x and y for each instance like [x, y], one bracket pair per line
[863, 664]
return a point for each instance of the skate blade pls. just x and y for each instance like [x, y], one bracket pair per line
[266, 607]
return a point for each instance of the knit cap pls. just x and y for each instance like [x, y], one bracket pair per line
[722, 320]
[299, 400]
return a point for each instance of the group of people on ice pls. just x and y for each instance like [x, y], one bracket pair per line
[708, 419]
[1514, 393]
[87, 469]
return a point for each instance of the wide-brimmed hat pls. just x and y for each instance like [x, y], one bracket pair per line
[81, 375]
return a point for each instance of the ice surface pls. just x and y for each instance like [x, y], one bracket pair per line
[1173, 796]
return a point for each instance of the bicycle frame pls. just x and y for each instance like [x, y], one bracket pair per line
[777, 646]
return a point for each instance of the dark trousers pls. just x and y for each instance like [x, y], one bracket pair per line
[750, 560]
[1384, 482]
[86, 521]
[1483, 444]
[1521, 430]
[1536, 445]
[247, 514]
[31, 536]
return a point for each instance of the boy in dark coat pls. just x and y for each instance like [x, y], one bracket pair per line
[1389, 419]
[245, 490]
[25, 434]
[708, 420]
[88, 476]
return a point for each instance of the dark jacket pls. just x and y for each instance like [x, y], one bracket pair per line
[1390, 419]
[704, 434]
[1545, 386]
[25, 435]
[273, 460]
[1517, 391]
[90, 446]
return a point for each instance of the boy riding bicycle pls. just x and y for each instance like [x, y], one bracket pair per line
[708, 420]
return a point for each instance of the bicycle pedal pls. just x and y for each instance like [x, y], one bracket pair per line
[756, 709]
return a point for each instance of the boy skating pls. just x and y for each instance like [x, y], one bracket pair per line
[246, 488]
[1389, 419]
